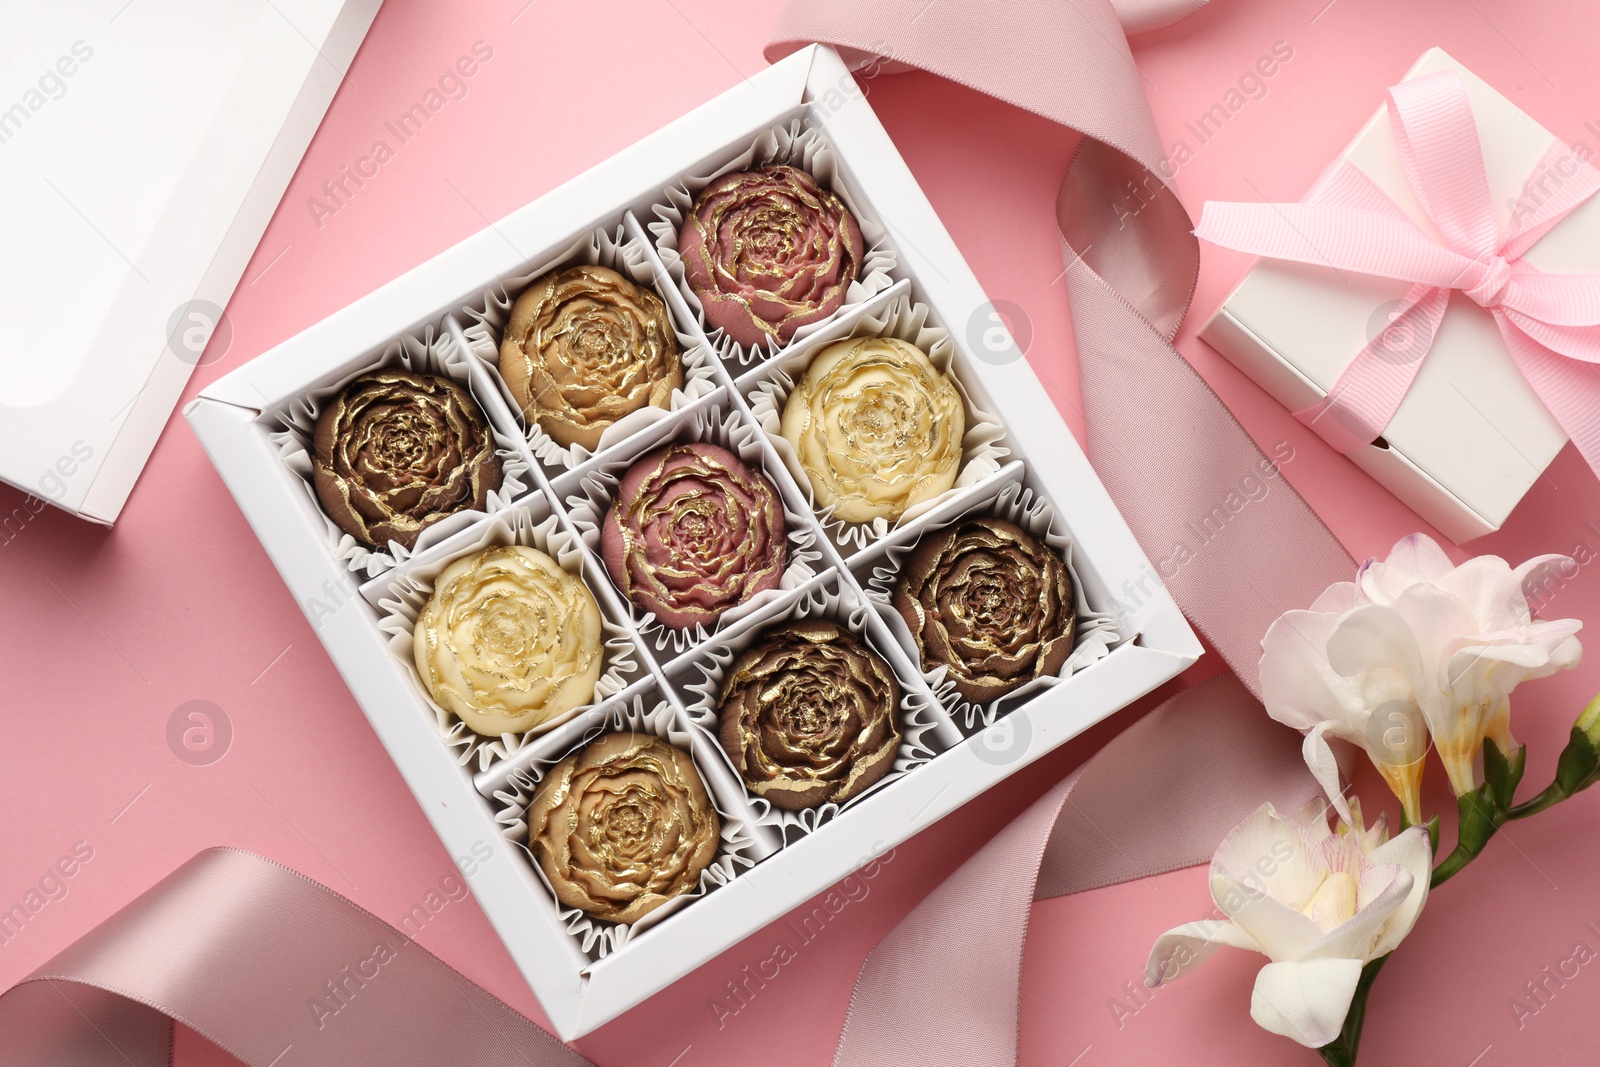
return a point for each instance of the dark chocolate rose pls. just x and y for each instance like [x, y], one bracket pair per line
[395, 452]
[810, 714]
[991, 603]
[768, 251]
[583, 348]
[623, 826]
[693, 532]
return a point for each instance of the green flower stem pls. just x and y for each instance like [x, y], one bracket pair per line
[1481, 815]
[1341, 1051]
[1553, 794]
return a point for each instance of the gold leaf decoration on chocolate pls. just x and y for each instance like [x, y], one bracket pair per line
[989, 602]
[585, 347]
[878, 429]
[509, 642]
[623, 826]
[809, 714]
[395, 452]
[693, 533]
[768, 251]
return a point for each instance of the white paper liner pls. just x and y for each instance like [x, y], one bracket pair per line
[642, 714]
[430, 354]
[409, 589]
[825, 598]
[1096, 631]
[728, 428]
[982, 452]
[627, 255]
[791, 144]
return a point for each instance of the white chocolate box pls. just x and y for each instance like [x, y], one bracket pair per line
[1022, 460]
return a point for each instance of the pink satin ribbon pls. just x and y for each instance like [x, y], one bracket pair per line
[277, 970]
[234, 946]
[1550, 322]
[944, 987]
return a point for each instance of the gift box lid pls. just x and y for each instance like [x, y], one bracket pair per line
[1471, 437]
[143, 149]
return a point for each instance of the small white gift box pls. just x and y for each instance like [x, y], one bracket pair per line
[1471, 436]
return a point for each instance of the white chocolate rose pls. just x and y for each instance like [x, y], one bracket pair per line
[509, 641]
[877, 428]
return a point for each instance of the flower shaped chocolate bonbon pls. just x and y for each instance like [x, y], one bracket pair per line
[877, 428]
[692, 533]
[990, 603]
[768, 251]
[395, 452]
[509, 641]
[585, 347]
[809, 715]
[623, 826]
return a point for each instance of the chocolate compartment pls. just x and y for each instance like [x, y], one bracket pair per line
[800, 143]
[589, 492]
[428, 350]
[766, 390]
[400, 595]
[926, 728]
[1011, 494]
[643, 708]
[624, 248]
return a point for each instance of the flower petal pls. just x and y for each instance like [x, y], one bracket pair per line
[1324, 766]
[1491, 591]
[1411, 851]
[1356, 938]
[1265, 855]
[1298, 685]
[1542, 574]
[1305, 1000]
[1416, 558]
[1185, 947]
[1339, 598]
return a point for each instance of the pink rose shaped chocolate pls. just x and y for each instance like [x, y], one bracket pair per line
[768, 251]
[692, 533]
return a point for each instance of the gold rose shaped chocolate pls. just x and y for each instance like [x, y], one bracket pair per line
[623, 826]
[810, 714]
[768, 251]
[395, 452]
[989, 602]
[509, 641]
[877, 428]
[584, 347]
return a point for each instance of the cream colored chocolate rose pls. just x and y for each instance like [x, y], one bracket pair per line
[509, 641]
[877, 428]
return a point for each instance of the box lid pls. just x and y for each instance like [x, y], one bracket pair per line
[143, 149]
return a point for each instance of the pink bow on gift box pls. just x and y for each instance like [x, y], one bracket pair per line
[1550, 322]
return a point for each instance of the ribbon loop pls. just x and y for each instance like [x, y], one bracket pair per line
[1438, 140]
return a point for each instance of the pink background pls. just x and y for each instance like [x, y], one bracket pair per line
[108, 632]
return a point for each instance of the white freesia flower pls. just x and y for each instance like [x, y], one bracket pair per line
[1415, 641]
[1319, 904]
